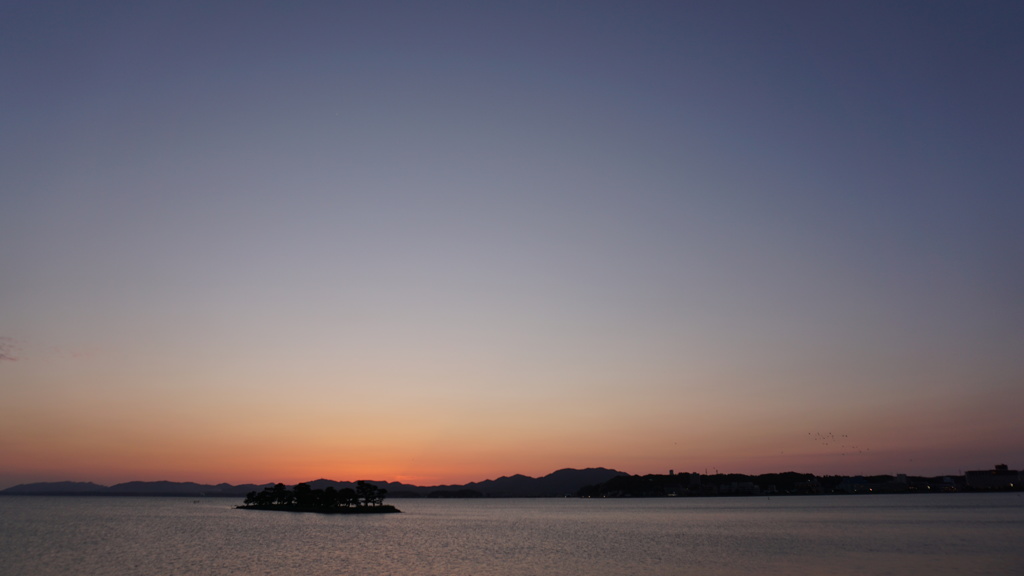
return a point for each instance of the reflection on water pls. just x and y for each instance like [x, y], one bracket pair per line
[958, 534]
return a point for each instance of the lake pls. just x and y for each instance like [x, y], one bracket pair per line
[933, 534]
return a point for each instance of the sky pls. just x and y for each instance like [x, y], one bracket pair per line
[440, 242]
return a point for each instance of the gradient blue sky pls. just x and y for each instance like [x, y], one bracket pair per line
[446, 241]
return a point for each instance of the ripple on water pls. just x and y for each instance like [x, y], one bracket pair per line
[934, 534]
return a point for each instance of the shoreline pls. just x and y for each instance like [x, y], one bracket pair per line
[383, 509]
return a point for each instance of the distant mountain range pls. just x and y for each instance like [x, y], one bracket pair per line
[560, 483]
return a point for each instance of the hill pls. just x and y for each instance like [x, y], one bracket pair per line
[560, 483]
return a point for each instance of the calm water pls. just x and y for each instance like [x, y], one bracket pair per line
[959, 534]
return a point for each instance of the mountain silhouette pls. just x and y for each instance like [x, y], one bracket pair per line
[560, 483]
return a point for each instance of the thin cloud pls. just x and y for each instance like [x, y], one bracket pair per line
[8, 346]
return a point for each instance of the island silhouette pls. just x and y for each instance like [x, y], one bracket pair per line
[366, 498]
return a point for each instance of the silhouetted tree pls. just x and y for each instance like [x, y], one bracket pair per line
[369, 494]
[303, 496]
[329, 499]
[264, 497]
[347, 497]
[282, 495]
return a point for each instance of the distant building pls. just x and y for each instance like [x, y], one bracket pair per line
[853, 485]
[875, 485]
[738, 489]
[811, 486]
[999, 478]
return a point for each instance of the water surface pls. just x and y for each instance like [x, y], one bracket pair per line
[961, 534]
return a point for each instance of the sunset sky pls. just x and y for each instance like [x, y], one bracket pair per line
[440, 242]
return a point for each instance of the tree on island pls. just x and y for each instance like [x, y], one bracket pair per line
[282, 496]
[366, 498]
[370, 495]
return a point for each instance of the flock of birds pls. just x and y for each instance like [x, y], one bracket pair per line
[830, 439]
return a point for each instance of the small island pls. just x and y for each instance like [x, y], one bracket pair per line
[365, 499]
